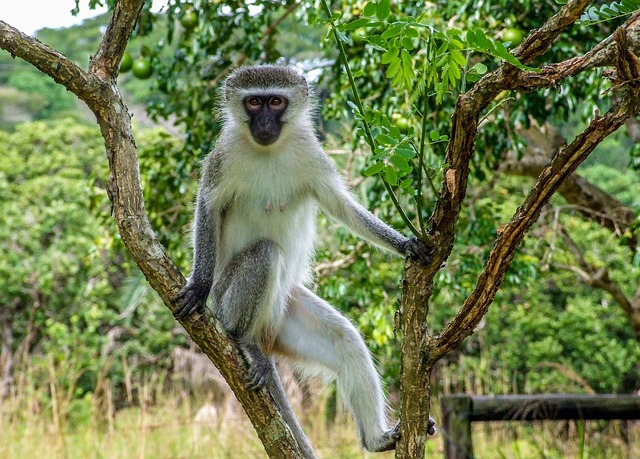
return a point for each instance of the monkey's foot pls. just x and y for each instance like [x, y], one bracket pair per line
[190, 299]
[259, 374]
[388, 440]
[385, 442]
[260, 367]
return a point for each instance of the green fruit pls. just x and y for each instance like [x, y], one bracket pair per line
[189, 19]
[401, 122]
[126, 63]
[358, 36]
[142, 68]
[513, 35]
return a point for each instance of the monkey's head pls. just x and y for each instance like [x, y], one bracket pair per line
[266, 98]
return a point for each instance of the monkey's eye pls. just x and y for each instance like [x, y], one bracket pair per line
[253, 104]
[277, 103]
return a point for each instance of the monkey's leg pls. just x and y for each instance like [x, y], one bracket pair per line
[313, 332]
[248, 302]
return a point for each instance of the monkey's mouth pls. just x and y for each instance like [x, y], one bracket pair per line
[265, 138]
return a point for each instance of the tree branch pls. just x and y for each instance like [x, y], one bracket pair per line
[588, 199]
[420, 350]
[562, 165]
[98, 90]
[50, 62]
[106, 63]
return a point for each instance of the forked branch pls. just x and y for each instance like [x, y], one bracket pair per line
[562, 165]
[97, 88]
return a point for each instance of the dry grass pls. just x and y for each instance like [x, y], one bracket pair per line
[46, 421]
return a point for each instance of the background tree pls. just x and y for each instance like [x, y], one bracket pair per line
[406, 162]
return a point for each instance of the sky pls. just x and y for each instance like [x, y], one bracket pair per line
[31, 15]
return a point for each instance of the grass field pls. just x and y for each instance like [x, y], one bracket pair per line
[178, 427]
[43, 417]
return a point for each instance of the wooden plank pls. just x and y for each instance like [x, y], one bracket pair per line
[456, 426]
[458, 411]
[554, 407]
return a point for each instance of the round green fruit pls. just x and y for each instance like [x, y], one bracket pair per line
[189, 19]
[401, 122]
[126, 63]
[142, 68]
[513, 35]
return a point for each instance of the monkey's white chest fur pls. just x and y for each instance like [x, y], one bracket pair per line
[268, 197]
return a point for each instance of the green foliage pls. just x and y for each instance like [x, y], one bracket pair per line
[65, 280]
[57, 101]
[168, 188]
[609, 11]
[54, 281]
[556, 342]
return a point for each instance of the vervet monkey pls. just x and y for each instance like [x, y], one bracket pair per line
[254, 238]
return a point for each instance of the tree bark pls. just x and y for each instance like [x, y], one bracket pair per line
[589, 200]
[422, 350]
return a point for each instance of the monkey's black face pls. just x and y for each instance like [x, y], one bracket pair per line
[265, 117]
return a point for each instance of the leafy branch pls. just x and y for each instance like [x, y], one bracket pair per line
[360, 112]
[610, 11]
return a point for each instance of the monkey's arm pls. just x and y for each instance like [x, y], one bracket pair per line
[337, 201]
[193, 296]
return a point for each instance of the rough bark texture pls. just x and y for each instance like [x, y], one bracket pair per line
[421, 350]
[98, 89]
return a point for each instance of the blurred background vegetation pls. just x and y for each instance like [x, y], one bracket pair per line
[92, 360]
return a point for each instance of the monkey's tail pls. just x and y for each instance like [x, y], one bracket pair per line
[280, 397]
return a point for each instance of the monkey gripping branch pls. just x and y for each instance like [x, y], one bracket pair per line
[98, 89]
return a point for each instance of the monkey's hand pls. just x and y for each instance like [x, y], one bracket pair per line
[192, 298]
[417, 249]
[431, 426]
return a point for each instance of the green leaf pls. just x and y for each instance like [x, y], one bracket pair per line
[383, 10]
[355, 24]
[406, 183]
[394, 68]
[393, 31]
[406, 151]
[375, 169]
[407, 43]
[401, 163]
[390, 175]
[384, 139]
[480, 68]
[370, 9]
[407, 65]
[458, 58]
[390, 55]
[478, 41]
[411, 33]
[434, 135]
